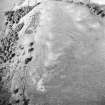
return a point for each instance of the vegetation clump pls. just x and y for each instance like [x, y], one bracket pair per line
[96, 9]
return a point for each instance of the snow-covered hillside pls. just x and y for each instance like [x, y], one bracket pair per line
[52, 53]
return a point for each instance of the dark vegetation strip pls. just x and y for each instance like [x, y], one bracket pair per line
[15, 16]
[8, 44]
[96, 9]
[7, 52]
[7, 48]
